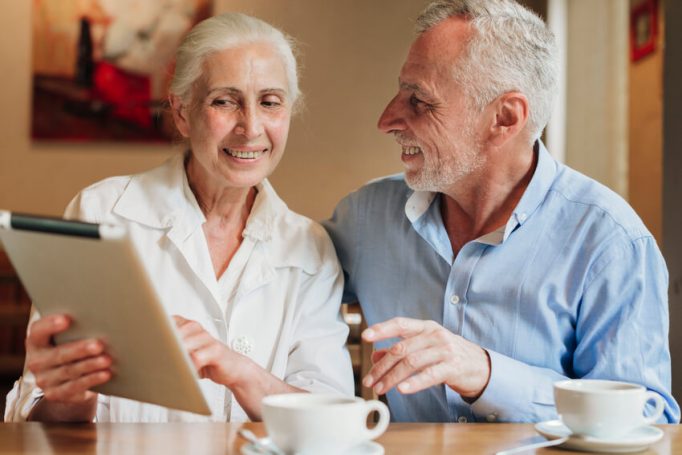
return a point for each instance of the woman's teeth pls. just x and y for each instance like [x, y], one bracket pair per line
[250, 155]
[411, 150]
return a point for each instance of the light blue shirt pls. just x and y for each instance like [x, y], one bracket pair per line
[574, 286]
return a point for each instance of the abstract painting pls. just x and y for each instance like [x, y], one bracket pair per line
[101, 68]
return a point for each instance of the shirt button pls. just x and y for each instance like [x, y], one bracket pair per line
[242, 345]
[491, 418]
[454, 299]
[462, 419]
[523, 217]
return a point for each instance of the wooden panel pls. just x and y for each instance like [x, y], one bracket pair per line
[14, 314]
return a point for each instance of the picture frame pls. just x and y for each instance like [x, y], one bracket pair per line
[643, 29]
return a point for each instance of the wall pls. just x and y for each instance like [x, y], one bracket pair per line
[352, 52]
[596, 90]
[672, 179]
[645, 174]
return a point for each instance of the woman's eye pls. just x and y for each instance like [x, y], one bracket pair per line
[222, 102]
[271, 102]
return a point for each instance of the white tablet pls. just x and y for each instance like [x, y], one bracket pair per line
[92, 273]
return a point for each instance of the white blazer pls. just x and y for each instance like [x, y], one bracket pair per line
[278, 302]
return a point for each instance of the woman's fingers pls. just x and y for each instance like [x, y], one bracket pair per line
[40, 332]
[79, 389]
[72, 371]
[40, 360]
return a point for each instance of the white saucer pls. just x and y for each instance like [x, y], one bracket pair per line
[366, 448]
[636, 441]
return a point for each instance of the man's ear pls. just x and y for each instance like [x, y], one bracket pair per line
[510, 117]
[179, 110]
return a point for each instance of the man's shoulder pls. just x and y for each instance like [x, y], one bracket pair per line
[585, 194]
[382, 192]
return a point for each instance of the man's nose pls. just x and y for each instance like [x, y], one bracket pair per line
[391, 119]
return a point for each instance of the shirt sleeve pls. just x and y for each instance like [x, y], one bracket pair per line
[26, 393]
[318, 359]
[621, 334]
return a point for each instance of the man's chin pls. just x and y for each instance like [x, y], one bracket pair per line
[418, 183]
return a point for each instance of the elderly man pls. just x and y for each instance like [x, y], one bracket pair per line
[489, 270]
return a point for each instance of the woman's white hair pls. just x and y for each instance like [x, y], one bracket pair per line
[511, 50]
[227, 31]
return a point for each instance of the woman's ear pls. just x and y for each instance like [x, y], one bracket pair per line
[511, 117]
[179, 110]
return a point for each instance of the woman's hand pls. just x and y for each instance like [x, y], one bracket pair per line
[211, 358]
[248, 381]
[67, 372]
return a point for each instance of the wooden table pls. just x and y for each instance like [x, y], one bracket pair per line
[213, 438]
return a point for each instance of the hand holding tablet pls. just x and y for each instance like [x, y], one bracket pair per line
[117, 339]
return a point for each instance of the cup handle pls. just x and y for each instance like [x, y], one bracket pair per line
[382, 423]
[658, 410]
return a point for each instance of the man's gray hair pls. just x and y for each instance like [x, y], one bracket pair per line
[511, 50]
[227, 31]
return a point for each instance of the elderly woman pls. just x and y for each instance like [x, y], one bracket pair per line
[255, 287]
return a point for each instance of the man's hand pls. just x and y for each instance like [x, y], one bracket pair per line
[427, 355]
[67, 372]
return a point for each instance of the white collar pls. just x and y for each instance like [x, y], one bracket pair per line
[161, 198]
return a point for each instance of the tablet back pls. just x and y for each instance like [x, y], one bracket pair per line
[102, 285]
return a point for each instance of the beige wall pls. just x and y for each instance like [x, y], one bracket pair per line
[596, 90]
[646, 136]
[352, 52]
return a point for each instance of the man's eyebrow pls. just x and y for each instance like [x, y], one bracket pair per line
[414, 88]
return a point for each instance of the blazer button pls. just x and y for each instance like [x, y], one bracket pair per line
[242, 345]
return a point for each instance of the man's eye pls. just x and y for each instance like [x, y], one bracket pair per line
[414, 101]
[419, 105]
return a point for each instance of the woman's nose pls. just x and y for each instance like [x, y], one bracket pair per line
[250, 124]
[391, 119]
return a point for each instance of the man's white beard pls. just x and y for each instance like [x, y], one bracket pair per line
[439, 176]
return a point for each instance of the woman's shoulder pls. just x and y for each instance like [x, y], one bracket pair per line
[95, 202]
[301, 242]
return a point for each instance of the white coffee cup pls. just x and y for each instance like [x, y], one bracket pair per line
[309, 423]
[604, 409]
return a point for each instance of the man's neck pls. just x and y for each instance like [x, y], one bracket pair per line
[484, 202]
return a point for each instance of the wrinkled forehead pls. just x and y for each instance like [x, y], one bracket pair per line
[256, 64]
[442, 44]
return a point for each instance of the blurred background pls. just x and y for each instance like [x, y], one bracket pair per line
[618, 117]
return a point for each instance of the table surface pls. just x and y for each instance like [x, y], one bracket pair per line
[221, 438]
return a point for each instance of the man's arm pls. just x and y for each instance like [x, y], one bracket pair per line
[621, 334]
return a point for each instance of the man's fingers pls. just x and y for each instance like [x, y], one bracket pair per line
[396, 327]
[40, 332]
[391, 357]
[410, 365]
[428, 377]
[378, 355]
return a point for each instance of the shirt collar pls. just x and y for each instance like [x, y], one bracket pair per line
[545, 171]
[162, 198]
[540, 183]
